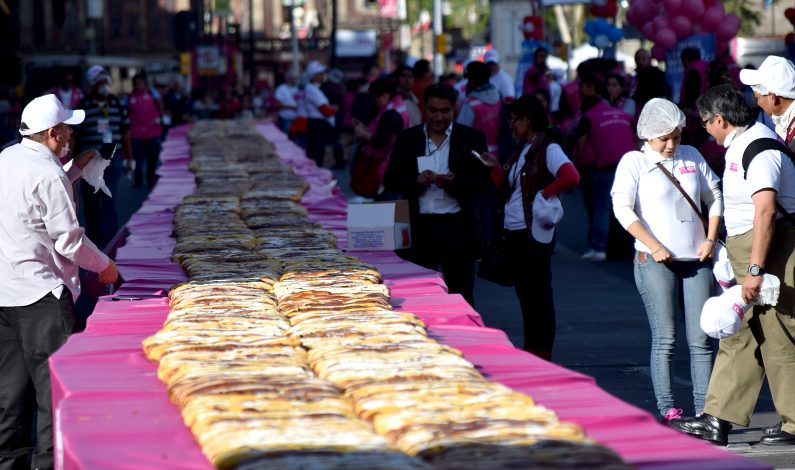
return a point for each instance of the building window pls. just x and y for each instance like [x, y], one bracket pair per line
[132, 25]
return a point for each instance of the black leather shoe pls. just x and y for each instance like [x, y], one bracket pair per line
[779, 439]
[707, 427]
[772, 429]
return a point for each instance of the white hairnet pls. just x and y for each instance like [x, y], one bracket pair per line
[659, 117]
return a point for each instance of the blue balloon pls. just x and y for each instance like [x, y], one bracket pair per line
[615, 34]
[602, 26]
[591, 28]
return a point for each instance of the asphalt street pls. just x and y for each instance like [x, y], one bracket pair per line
[602, 326]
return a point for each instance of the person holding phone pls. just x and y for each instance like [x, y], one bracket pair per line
[536, 175]
[432, 166]
[43, 248]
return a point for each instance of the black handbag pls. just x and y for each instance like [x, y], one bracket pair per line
[495, 265]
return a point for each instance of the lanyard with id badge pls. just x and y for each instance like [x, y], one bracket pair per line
[103, 126]
[431, 162]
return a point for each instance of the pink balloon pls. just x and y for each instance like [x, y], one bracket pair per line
[712, 18]
[682, 26]
[693, 9]
[665, 38]
[661, 22]
[648, 30]
[658, 52]
[673, 7]
[728, 28]
[644, 11]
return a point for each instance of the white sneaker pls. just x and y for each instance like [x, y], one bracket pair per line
[593, 255]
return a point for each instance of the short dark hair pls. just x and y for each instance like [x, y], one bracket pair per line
[727, 101]
[478, 74]
[400, 69]
[539, 51]
[381, 86]
[530, 107]
[421, 67]
[442, 91]
[595, 81]
[617, 77]
[690, 53]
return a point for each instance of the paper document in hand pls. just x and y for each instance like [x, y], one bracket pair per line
[94, 173]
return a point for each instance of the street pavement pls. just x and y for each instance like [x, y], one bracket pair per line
[602, 328]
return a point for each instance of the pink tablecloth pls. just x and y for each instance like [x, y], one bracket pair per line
[112, 412]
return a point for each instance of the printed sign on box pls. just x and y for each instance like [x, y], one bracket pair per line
[379, 226]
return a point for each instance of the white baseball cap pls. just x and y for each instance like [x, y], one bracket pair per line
[315, 68]
[46, 112]
[96, 73]
[546, 214]
[775, 75]
[491, 55]
[722, 267]
[722, 316]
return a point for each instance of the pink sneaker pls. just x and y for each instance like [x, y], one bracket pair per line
[672, 413]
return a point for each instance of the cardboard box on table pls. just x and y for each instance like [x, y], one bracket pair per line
[379, 226]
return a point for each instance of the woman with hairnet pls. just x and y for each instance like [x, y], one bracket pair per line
[672, 264]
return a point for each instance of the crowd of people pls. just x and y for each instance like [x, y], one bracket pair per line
[663, 183]
[483, 172]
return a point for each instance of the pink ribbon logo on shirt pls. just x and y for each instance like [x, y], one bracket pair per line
[732, 167]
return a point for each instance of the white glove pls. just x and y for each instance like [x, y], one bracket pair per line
[94, 174]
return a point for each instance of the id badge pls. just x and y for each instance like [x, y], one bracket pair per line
[425, 163]
[103, 129]
[683, 211]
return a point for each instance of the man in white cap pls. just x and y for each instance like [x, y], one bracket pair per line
[42, 248]
[320, 127]
[774, 89]
[499, 78]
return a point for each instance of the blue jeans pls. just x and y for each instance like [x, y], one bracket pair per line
[146, 151]
[667, 289]
[601, 207]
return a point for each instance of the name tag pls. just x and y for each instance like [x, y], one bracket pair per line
[687, 169]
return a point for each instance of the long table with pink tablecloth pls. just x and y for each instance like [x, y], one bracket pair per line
[111, 411]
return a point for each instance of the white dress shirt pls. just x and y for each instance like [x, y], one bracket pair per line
[435, 200]
[768, 170]
[41, 244]
[641, 192]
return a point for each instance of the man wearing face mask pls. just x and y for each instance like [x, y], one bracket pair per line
[106, 122]
[42, 248]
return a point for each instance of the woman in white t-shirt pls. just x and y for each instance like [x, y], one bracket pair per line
[533, 180]
[672, 264]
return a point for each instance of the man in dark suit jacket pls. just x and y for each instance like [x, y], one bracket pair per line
[432, 166]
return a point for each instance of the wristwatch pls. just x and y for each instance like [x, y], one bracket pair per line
[756, 270]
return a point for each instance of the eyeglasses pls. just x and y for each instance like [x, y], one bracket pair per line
[705, 121]
[512, 120]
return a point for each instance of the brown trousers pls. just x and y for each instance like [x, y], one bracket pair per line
[765, 343]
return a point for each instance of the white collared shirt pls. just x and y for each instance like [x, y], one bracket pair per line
[782, 122]
[41, 244]
[514, 208]
[641, 192]
[770, 169]
[435, 200]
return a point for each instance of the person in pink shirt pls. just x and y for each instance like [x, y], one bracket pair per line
[67, 92]
[537, 76]
[145, 108]
[605, 135]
